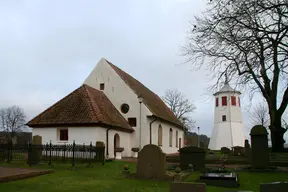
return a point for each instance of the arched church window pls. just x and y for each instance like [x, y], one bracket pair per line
[160, 134]
[176, 138]
[170, 137]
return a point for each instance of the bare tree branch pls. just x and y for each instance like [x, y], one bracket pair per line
[247, 40]
[180, 106]
[12, 121]
[260, 115]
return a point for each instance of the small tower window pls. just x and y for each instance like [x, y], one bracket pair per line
[224, 101]
[102, 86]
[223, 117]
[239, 101]
[233, 100]
[217, 102]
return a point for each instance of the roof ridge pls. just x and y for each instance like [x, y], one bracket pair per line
[92, 103]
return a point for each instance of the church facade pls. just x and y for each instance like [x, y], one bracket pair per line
[113, 107]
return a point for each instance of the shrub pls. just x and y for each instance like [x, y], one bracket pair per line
[178, 170]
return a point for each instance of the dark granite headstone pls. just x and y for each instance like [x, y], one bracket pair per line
[151, 162]
[276, 186]
[225, 150]
[259, 144]
[187, 187]
[192, 155]
[238, 150]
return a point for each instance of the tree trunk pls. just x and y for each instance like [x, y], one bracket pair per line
[277, 134]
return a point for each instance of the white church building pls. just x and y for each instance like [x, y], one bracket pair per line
[113, 107]
[228, 128]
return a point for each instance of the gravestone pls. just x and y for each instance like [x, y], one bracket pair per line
[100, 144]
[246, 143]
[187, 187]
[151, 163]
[225, 150]
[192, 155]
[35, 151]
[247, 149]
[238, 150]
[276, 186]
[259, 144]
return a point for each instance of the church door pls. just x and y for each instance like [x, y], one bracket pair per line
[116, 142]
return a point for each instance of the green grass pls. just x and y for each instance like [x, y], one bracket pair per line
[109, 178]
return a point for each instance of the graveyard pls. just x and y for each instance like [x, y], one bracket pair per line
[154, 172]
[110, 178]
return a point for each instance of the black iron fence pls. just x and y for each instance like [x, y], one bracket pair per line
[49, 153]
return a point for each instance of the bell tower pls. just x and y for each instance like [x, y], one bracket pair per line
[228, 128]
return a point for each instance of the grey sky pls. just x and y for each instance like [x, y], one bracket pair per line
[48, 48]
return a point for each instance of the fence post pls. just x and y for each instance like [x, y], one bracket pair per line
[46, 151]
[29, 154]
[9, 151]
[73, 156]
[64, 150]
[90, 155]
[50, 154]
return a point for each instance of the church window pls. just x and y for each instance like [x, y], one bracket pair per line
[125, 108]
[176, 138]
[217, 102]
[223, 117]
[132, 121]
[170, 137]
[224, 101]
[102, 86]
[63, 134]
[233, 100]
[160, 133]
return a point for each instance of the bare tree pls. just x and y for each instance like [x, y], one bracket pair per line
[248, 41]
[12, 121]
[180, 106]
[260, 115]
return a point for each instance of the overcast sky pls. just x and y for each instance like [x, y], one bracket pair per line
[48, 48]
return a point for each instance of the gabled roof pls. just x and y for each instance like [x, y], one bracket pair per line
[152, 101]
[85, 106]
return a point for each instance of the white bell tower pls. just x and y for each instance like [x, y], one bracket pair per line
[228, 128]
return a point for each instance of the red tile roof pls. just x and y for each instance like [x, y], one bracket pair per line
[85, 106]
[150, 99]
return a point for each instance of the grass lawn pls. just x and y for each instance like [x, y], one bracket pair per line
[108, 178]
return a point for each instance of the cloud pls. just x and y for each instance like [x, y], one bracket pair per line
[48, 48]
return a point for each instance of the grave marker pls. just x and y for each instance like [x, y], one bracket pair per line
[151, 162]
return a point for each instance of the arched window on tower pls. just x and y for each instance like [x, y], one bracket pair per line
[176, 138]
[224, 101]
[233, 100]
[170, 137]
[160, 134]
